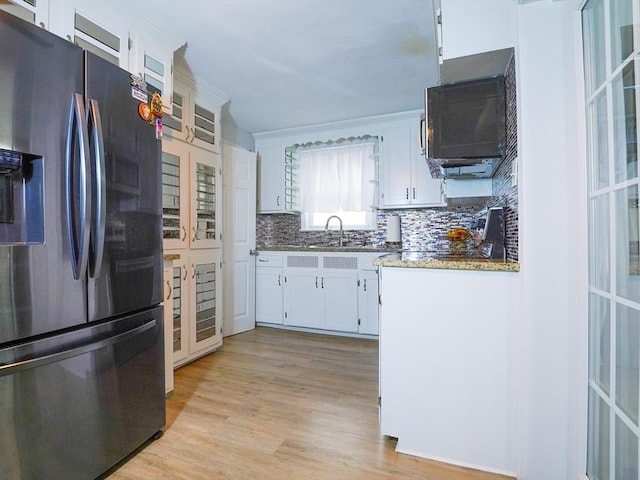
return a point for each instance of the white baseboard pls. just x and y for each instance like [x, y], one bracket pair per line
[481, 468]
[317, 330]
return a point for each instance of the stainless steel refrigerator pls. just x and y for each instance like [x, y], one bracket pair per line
[81, 337]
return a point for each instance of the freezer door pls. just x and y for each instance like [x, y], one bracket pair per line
[125, 268]
[41, 85]
[73, 405]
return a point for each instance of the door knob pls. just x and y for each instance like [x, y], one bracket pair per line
[253, 252]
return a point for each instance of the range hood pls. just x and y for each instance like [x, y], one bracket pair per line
[465, 168]
[466, 116]
[475, 67]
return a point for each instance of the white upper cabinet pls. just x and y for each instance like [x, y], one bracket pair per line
[271, 176]
[33, 11]
[152, 59]
[403, 179]
[113, 31]
[277, 177]
[406, 180]
[195, 116]
[469, 26]
[94, 28]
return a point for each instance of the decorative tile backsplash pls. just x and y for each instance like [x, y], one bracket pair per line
[421, 229]
[504, 194]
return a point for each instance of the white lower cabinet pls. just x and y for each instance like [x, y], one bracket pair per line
[303, 298]
[320, 291]
[321, 298]
[269, 282]
[340, 300]
[368, 302]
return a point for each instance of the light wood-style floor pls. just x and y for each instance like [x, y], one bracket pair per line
[279, 405]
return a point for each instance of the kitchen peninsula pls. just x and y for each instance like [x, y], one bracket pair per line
[447, 346]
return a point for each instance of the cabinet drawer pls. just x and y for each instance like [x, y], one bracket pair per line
[268, 260]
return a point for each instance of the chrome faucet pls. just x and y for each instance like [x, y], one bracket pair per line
[326, 227]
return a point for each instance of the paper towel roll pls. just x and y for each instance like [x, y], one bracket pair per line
[393, 228]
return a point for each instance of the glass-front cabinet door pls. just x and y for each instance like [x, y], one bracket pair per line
[190, 196]
[205, 300]
[33, 11]
[205, 213]
[611, 40]
[175, 194]
[178, 304]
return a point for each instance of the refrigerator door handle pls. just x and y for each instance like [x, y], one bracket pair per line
[78, 216]
[11, 368]
[94, 124]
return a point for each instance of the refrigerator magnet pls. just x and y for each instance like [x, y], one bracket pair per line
[156, 105]
[159, 128]
[139, 95]
[144, 111]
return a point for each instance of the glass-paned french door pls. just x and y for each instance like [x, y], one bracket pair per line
[611, 41]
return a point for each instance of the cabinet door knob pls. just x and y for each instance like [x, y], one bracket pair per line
[253, 252]
[170, 291]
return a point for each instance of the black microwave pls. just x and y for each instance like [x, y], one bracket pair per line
[467, 120]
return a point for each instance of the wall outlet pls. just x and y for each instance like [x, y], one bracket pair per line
[514, 172]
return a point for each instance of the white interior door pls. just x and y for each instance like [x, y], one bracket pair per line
[239, 239]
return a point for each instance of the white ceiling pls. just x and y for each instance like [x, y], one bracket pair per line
[286, 63]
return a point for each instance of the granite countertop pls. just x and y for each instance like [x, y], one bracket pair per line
[417, 259]
[392, 257]
[328, 248]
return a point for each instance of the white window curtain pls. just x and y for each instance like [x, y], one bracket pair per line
[337, 178]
